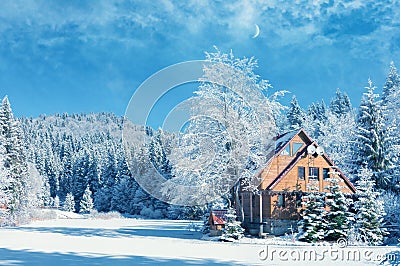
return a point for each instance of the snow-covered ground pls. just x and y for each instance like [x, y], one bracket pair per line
[79, 241]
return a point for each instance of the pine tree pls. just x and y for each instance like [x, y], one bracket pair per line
[56, 202]
[391, 113]
[108, 179]
[338, 217]
[372, 144]
[233, 230]
[295, 115]
[369, 210]
[316, 116]
[69, 203]
[313, 225]
[15, 164]
[340, 105]
[86, 204]
[337, 136]
[392, 85]
[4, 188]
[79, 178]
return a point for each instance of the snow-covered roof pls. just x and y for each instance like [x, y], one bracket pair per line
[218, 217]
[282, 140]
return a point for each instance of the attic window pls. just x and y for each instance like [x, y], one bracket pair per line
[296, 147]
[286, 151]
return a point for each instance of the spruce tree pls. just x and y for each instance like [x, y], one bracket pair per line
[313, 225]
[340, 105]
[316, 117]
[338, 217]
[86, 204]
[56, 202]
[233, 230]
[295, 115]
[69, 203]
[391, 113]
[392, 85]
[15, 164]
[372, 144]
[4, 188]
[369, 210]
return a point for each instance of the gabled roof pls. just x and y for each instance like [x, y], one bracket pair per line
[282, 141]
[218, 217]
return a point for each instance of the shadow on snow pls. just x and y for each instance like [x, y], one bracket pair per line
[179, 231]
[26, 257]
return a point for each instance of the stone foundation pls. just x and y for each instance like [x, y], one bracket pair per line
[272, 227]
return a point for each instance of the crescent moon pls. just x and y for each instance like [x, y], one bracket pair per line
[257, 32]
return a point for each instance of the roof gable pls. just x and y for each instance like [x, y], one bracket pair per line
[217, 217]
[282, 142]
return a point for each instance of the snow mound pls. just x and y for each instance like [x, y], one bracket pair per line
[68, 215]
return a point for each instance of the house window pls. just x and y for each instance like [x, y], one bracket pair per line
[325, 173]
[313, 173]
[301, 172]
[281, 200]
[286, 151]
[296, 147]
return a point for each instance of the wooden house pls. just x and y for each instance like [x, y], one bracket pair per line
[297, 162]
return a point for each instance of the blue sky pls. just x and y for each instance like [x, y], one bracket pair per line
[90, 56]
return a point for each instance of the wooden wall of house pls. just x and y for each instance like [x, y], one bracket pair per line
[255, 206]
[270, 207]
[291, 180]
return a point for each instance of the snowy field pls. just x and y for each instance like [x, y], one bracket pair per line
[79, 241]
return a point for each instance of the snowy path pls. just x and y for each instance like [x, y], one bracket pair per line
[133, 242]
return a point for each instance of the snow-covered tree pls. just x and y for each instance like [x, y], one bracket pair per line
[337, 135]
[340, 105]
[228, 136]
[369, 210]
[86, 204]
[338, 217]
[56, 202]
[102, 198]
[69, 203]
[158, 154]
[312, 226]
[233, 230]
[14, 163]
[391, 112]
[295, 115]
[391, 219]
[37, 189]
[372, 143]
[4, 192]
[392, 86]
[315, 118]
